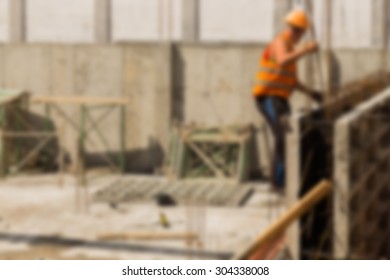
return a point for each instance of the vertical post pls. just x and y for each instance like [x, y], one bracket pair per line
[122, 159]
[61, 153]
[294, 182]
[310, 61]
[82, 135]
[243, 156]
[190, 20]
[328, 33]
[2, 162]
[80, 168]
[17, 21]
[378, 23]
[103, 21]
[382, 11]
[341, 234]
[170, 21]
[281, 9]
[3, 143]
[163, 96]
[160, 22]
[83, 174]
[47, 117]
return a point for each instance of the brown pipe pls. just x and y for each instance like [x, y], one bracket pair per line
[318, 193]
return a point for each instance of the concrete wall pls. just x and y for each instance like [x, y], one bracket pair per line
[356, 23]
[209, 84]
[352, 23]
[146, 20]
[52, 21]
[245, 20]
[140, 72]
[4, 20]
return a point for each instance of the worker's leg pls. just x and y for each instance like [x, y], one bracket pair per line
[275, 111]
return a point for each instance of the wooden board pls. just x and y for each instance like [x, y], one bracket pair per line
[204, 153]
[86, 100]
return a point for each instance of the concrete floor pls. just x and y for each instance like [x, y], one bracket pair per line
[40, 220]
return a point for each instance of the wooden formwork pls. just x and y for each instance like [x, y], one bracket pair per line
[85, 125]
[26, 137]
[310, 149]
[361, 175]
[198, 152]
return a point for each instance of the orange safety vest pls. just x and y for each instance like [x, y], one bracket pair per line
[273, 79]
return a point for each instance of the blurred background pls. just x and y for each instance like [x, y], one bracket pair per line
[128, 131]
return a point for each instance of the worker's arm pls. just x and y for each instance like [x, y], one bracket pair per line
[284, 57]
[314, 94]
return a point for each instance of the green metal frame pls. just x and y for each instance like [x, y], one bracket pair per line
[88, 125]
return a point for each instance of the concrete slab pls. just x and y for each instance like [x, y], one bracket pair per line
[39, 221]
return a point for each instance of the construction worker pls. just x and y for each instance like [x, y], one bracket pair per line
[276, 81]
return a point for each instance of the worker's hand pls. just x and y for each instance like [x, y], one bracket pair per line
[317, 96]
[311, 47]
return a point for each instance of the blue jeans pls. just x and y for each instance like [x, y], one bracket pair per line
[275, 109]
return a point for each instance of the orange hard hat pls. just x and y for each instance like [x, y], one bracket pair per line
[298, 18]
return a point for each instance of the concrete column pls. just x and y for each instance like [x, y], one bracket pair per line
[164, 94]
[282, 7]
[103, 21]
[342, 182]
[294, 181]
[190, 20]
[17, 21]
[378, 23]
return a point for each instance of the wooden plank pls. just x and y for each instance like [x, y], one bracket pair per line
[79, 100]
[318, 193]
[216, 138]
[148, 236]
